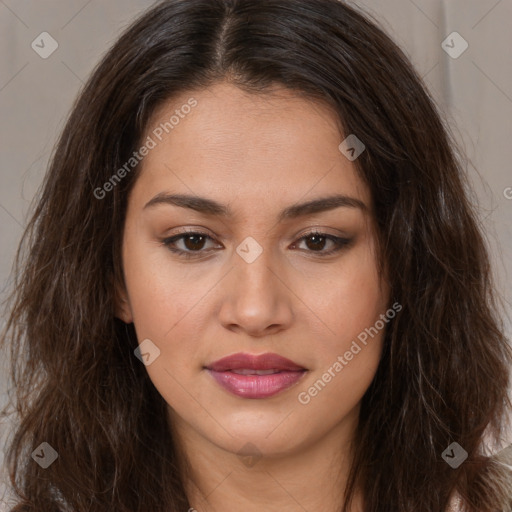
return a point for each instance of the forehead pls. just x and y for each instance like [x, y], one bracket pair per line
[275, 147]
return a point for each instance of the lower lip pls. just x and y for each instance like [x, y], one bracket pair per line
[256, 386]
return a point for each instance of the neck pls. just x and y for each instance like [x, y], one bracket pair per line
[311, 478]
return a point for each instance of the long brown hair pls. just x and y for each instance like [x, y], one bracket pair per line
[444, 371]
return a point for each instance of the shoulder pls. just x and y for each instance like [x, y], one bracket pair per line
[455, 504]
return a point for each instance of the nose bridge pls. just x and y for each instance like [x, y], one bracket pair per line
[255, 298]
[255, 274]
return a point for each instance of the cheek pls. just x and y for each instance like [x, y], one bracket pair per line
[346, 298]
[349, 355]
[356, 303]
[168, 307]
[160, 290]
[166, 298]
[350, 304]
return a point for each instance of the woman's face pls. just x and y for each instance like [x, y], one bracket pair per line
[256, 280]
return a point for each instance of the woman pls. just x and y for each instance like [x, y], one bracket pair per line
[254, 281]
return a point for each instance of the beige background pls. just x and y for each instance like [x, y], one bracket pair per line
[474, 92]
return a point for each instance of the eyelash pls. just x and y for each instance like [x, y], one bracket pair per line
[339, 242]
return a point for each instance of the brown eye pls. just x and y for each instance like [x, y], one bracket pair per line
[192, 244]
[316, 242]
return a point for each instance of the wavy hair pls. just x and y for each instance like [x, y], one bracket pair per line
[444, 371]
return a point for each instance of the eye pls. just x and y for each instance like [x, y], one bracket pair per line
[194, 242]
[316, 243]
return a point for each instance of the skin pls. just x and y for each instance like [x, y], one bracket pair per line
[258, 154]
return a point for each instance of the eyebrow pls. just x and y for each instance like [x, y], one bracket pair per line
[211, 207]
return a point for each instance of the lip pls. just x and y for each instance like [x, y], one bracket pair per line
[250, 385]
[267, 361]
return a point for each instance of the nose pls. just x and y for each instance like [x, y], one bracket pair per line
[256, 300]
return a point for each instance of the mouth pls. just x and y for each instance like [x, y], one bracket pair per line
[246, 371]
[255, 376]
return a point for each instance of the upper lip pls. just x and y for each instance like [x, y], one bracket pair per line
[267, 361]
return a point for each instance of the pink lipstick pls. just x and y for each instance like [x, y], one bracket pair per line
[255, 376]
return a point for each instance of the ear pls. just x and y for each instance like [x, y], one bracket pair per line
[122, 308]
